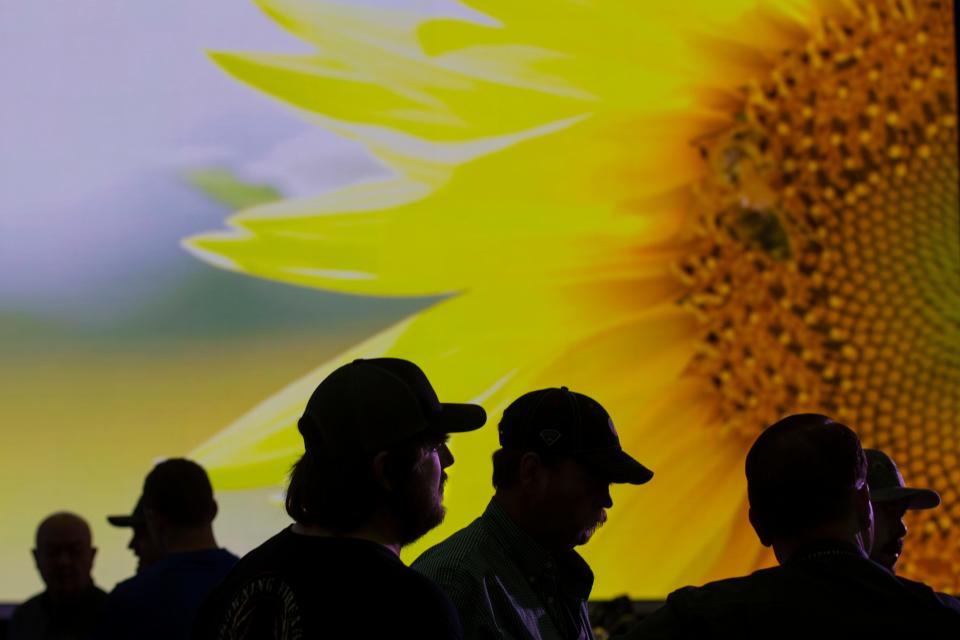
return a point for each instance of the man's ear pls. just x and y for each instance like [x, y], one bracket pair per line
[531, 470]
[380, 464]
[155, 522]
[763, 531]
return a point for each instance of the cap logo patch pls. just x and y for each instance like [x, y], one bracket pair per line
[550, 436]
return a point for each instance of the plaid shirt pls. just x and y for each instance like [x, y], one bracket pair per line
[505, 585]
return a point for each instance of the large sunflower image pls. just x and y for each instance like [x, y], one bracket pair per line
[705, 214]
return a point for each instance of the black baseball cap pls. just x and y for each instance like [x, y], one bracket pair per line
[180, 490]
[370, 405]
[886, 483]
[134, 519]
[570, 423]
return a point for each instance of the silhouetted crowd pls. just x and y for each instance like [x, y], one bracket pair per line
[371, 480]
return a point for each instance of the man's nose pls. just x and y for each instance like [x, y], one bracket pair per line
[446, 457]
[901, 529]
[607, 501]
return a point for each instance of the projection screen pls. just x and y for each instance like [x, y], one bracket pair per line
[706, 215]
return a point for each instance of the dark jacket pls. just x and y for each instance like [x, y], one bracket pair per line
[825, 591]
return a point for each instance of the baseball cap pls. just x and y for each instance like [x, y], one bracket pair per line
[180, 490]
[886, 483]
[570, 423]
[369, 405]
[133, 519]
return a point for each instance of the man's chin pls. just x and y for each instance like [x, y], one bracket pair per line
[887, 560]
[416, 528]
[586, 535]
[588, 532]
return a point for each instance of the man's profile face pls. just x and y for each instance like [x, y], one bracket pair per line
[143, 547]
[889, 531]
[575, 501]
[420, 499]
[64, 556]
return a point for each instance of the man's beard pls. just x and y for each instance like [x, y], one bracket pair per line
[888, 555]
[589, 531]
[416, 511]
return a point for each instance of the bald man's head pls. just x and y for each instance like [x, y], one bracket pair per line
[803, 472]
[64, 554]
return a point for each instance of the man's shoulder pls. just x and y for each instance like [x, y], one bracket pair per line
[834, 593]
[29, 607]
[417, 586]
[310, 583]
[131, 585]
[299, 560]
[736, 606]
[269, 556]
[145, 579]
[32, 601]
[220, 555]
[175, 570]
[949, 601]
[916, 586]
[216, 561]
[931, 597]
[465, 550]
[756, 585]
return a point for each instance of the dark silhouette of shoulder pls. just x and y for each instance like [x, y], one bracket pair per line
[40, 617]
[305, 586]
[817, 596]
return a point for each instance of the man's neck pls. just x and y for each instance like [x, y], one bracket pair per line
[518, 510]
[786, 547]
[181, 540]
[376, 530]
[61, 598]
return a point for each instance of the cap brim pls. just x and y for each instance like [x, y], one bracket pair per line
[916, 498]
[457, 418]
[124, 521]
[618, 466]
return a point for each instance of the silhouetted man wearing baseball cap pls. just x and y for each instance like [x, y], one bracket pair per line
[371, 481]
[162, 600]
[809, 500]
[891, 500]
[141, 544]
[513, 573]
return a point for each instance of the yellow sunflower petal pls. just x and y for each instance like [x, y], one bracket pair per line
[259, 448]
[452, 238]
[387, 82]
[691, 503]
